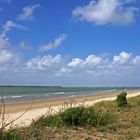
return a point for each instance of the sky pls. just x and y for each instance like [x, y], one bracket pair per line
[70, 42]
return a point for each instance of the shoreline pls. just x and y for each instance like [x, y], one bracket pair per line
[14, 107]
[30, 111]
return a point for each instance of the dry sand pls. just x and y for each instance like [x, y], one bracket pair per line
[29, 111]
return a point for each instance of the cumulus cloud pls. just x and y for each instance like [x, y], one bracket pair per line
[136, 60]
[122, 58]
[27, 12]
[103, 12]
[7, 57]
[46, 62]
[121, 69]
[9, 25]
[90, 61]
[91, 65]
[75, 62]
[120, 65]
[56, 43]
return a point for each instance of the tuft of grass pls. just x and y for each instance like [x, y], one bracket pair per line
[52, 120]
[78, 117]
[93, 117]
[72, 116]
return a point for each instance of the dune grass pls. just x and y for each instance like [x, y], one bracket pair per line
[104, 120]
[77, 117]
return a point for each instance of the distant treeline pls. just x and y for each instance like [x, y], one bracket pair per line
[31, 86]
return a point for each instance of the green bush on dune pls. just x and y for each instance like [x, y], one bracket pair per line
[72, 116]
[51, 120]
[121, 99]
[96, 117]
[79, 117]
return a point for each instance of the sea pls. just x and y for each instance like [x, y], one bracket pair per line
[29, 93]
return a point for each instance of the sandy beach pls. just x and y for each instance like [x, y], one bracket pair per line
[31, 110]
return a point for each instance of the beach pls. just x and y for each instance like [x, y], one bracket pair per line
[28, 111]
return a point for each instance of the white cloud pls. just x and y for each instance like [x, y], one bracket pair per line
[7, 57]
[27, 12]
[122, 58]
[91, 60]
[92, 64]
[103, 12]
[56, 43]
[46, 62]
[9, 25]
[136, 60]
[75, 62]
[123, 64]
[120, 70]
[94, 60]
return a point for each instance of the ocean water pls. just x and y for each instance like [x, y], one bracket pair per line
[24, 93]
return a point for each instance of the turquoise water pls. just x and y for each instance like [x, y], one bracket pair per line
[24, 93]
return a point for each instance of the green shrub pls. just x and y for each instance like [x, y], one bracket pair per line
[121, 99]
[95, 117]
[86, 117]
[72, 116]
[53, 120]
[78, 116]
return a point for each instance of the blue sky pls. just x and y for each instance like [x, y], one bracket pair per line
[70, 43]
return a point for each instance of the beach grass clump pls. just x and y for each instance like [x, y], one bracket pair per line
[50, 121]
[72, 116]
[11, 134]
[78, 117]
[96, 117]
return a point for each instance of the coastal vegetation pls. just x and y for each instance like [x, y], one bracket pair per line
[107, 120]
[121, 100]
